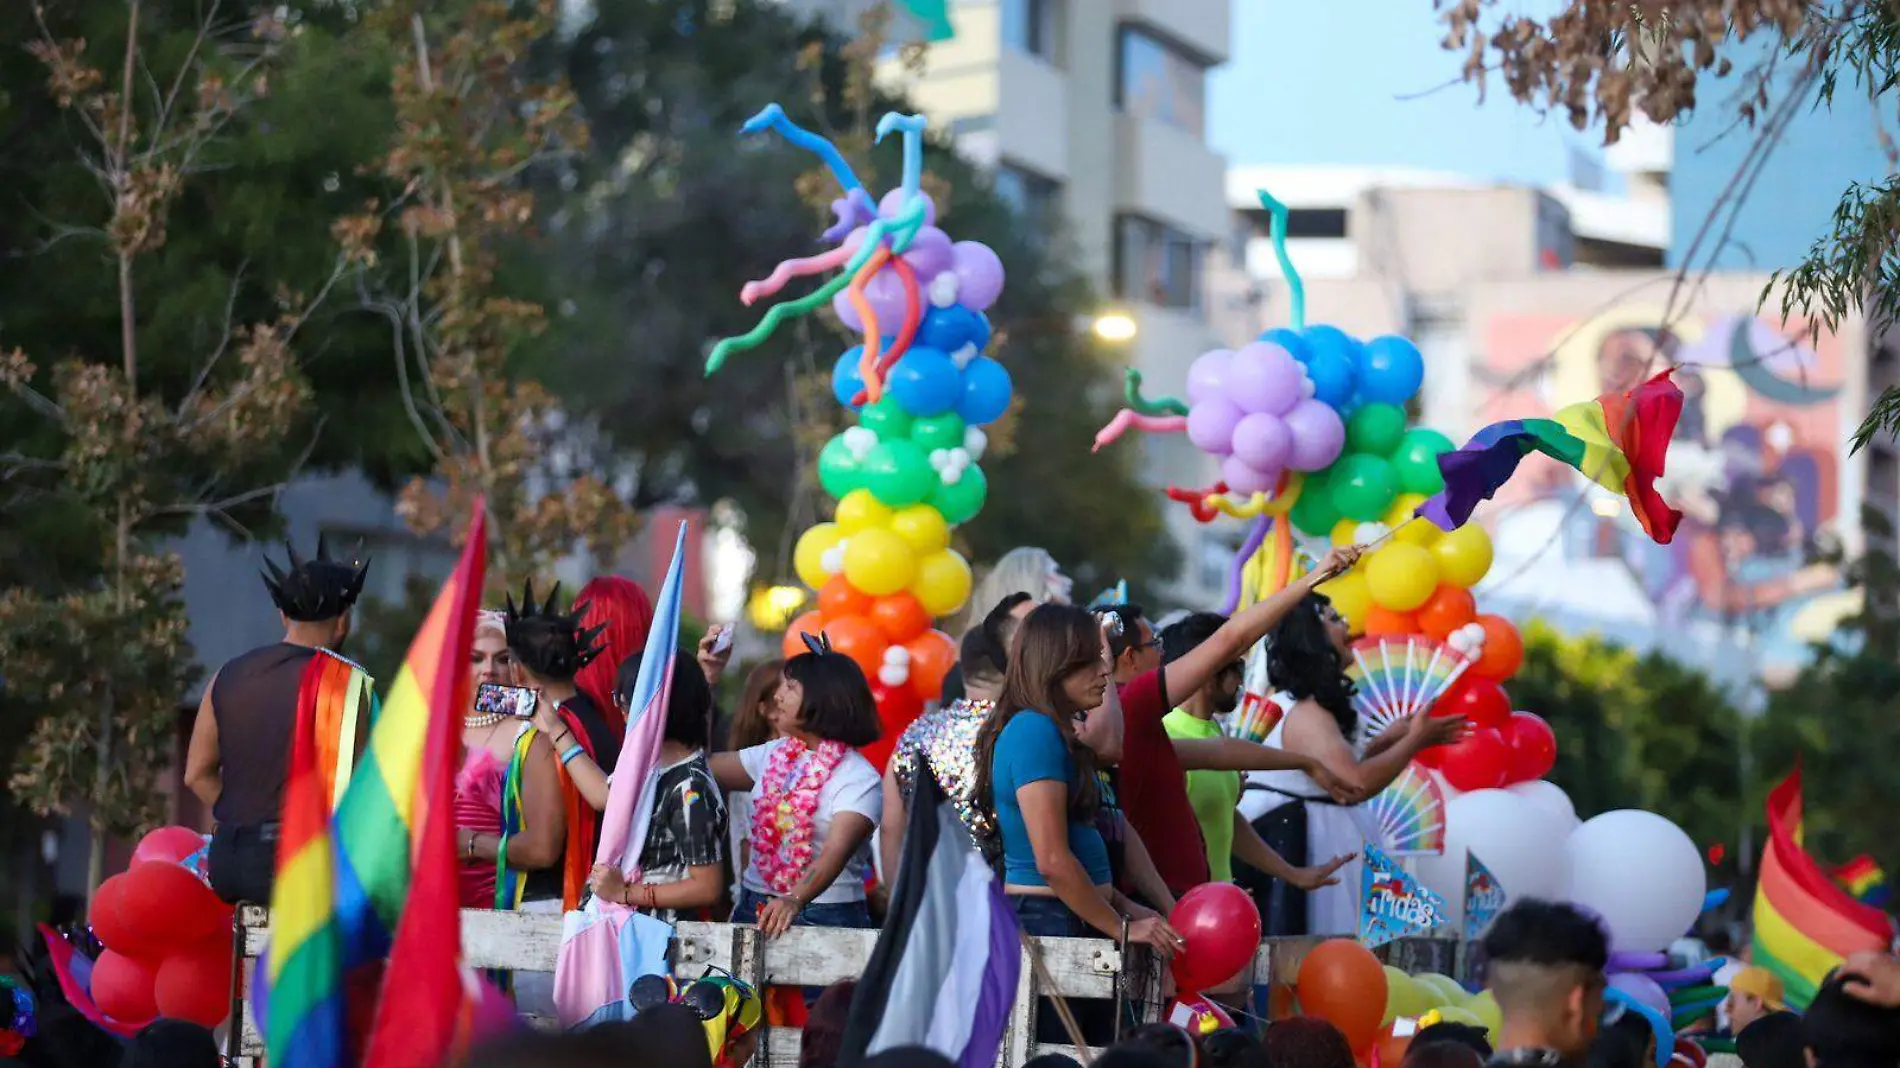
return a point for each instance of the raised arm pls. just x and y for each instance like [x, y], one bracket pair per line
[1246, 628]
[1311, 730]
[589, 781]
[1234, 754]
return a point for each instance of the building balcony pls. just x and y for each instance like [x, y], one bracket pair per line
[1205, 27]
[1033, 130]
[1170, 175]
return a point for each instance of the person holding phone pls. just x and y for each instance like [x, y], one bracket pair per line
[493, 743]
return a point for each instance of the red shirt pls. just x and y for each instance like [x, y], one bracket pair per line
[1153, 793]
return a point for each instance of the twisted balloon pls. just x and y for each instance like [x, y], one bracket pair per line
[773, 117]
[1128, 417]
[778, 313]
[1276, 229]
[1131, 396]
[802, 267]
[913, 130]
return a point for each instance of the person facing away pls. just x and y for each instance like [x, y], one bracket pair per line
[1546, 971]
[1847, 1026]
[254, 707]
[815, 799]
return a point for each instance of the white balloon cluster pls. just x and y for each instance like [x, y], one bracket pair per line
[860, 440]
[896, 668]
[1468, 639]
[950, 464]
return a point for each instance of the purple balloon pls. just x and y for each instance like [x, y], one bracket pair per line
[893, 203]
[1643, 989]
[1318, 435]
[929, 254]
[885, 294]
[1264, 377]
[979, 275]
[1207, 375]
[1263, 441]
[1210, 425]
[1245, 479]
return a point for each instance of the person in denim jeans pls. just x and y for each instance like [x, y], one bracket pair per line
[815, 799]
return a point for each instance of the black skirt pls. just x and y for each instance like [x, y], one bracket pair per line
[1282, 905]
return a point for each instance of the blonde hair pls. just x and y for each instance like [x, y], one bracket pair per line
[1022, 570]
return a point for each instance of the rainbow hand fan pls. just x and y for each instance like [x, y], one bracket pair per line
[1399, 675]
[1411, 814]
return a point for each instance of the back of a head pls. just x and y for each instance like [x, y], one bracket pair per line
[824, 1025]
[1180, 638]
[313, 590]
[1307, 1042]
[1471, 1036]
[909, 1057]
[172, 1044]
[983, 655]
[546, 641]
[1621, 1044]
[665, 1036]
[1232, 1047]
[1773, 1041]
[1441, 1054]
[624, 609]
[1540, 951]
[1842, 1031]
[1052, 1060]
[1172, 1045]
[688, 705]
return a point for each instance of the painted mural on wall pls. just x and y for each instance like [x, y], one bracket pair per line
[1756, 466]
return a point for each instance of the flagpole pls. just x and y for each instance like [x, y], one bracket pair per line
[1048, 985]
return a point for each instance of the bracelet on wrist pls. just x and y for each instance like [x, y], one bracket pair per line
[568, 754]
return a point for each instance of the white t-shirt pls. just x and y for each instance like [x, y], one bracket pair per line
[853, 787]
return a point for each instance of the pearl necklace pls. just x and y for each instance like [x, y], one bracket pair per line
[481, 719]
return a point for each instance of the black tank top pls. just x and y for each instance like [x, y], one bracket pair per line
[254, 700]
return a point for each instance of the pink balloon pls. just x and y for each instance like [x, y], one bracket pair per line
[1245, 479]
[893, 203]
[1207, 375]
[979, 275]
[885, 293]
[1264, 378]
[1210, 425]
[1318, 435]
[1263, 441]
[929, 254]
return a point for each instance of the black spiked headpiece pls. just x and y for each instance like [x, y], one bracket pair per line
[546, 641]
[311, 591]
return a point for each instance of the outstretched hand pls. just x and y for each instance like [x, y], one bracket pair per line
[1314, 876]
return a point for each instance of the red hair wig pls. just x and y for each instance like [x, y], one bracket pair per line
[625, 610]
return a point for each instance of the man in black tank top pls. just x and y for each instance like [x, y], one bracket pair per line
[240, 743]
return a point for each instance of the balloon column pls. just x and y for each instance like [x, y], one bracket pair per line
[167, 936]
[922, 389]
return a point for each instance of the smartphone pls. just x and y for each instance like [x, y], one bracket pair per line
[724, 641]
[516, 701]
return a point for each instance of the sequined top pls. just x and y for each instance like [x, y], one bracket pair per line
[946, 739]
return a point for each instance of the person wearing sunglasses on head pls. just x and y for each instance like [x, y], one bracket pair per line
[729, 1008]
[1546, 971]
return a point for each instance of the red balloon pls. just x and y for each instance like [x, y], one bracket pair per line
[111, 924]
[1532, 744]
[169, 906]
[932, 654]
[1478, 761]
[172, 844]
[839, 599]
[896, 707]
[854, 636]
[1385, 621]
[900, 617]
[1503, 651]
[1481, 701]
[1220, 925]
[194, 983]
[1449, 609]
[122, 988]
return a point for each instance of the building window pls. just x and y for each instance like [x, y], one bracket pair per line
[1157, 80]
[1157, 264]
[1032, 26]
[1035, 199]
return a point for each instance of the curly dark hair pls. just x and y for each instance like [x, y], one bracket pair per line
[545, 641]
[1302, 660]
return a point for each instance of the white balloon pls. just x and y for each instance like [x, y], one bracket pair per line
[1521, 844]
[1549, 796]
[943, 289]
[1641, 873]
[975, 441]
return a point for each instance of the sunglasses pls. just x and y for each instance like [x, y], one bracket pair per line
[711, 997]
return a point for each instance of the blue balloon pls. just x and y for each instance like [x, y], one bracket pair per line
[1291, 341]
[949, 329]
[925, 382]
[846, 382]
[986, 391]
[1333, 354]
[1390, 370]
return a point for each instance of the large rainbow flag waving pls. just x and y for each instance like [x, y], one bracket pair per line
[1804, 923]
[1618, 441]
[383, 865]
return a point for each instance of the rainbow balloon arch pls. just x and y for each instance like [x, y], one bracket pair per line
[921, 389]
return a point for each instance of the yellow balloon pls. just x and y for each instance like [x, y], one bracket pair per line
[878, 562]
[1351, 598]
[1399, 519]
[1403, 997]
[1464, 555]
[859, 510]
[1343, 533]
[1401, 576]
[808, 557]
[942, 584]
[1484, 1005]
[922, 527]
[1444, 990]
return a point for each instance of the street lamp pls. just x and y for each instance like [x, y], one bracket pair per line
[1115, 326]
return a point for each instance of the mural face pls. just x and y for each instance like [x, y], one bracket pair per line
[1755, 467]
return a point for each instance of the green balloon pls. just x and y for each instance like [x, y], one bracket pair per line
[1375, 429]
[838, 470]
[1313, 514]
[1416, 461]
[1363, 487]
[938, 431]
[898, 473]
[962, 499]
[1404, 997]
[887, 419]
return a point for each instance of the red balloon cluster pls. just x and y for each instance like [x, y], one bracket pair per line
[890, 638]
[1502, 747]
[167, 937]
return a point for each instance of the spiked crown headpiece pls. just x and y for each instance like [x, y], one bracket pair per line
[547, 642]
[311, 591]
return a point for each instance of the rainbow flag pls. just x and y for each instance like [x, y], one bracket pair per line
[1865, 880]
[1804, 923]
[1618, 441]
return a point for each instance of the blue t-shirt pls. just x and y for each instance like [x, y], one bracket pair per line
[1030, 749]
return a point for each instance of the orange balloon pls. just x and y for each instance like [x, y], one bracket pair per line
[1503, 651]
[1342, 983]
[812, 622]
[840, 599]
[1449, 609]
[932, 654]
[861, 640]
[900, 617]
[1381, 620]
[1391, 1047]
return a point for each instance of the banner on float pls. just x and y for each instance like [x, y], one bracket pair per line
[1484, 898]
[1394, 904]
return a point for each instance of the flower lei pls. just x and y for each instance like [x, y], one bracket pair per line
[17, 1008]
[784, 810]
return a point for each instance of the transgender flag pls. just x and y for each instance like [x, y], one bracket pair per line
[945, 968]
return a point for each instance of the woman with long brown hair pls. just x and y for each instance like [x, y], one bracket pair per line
[1041, 784]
